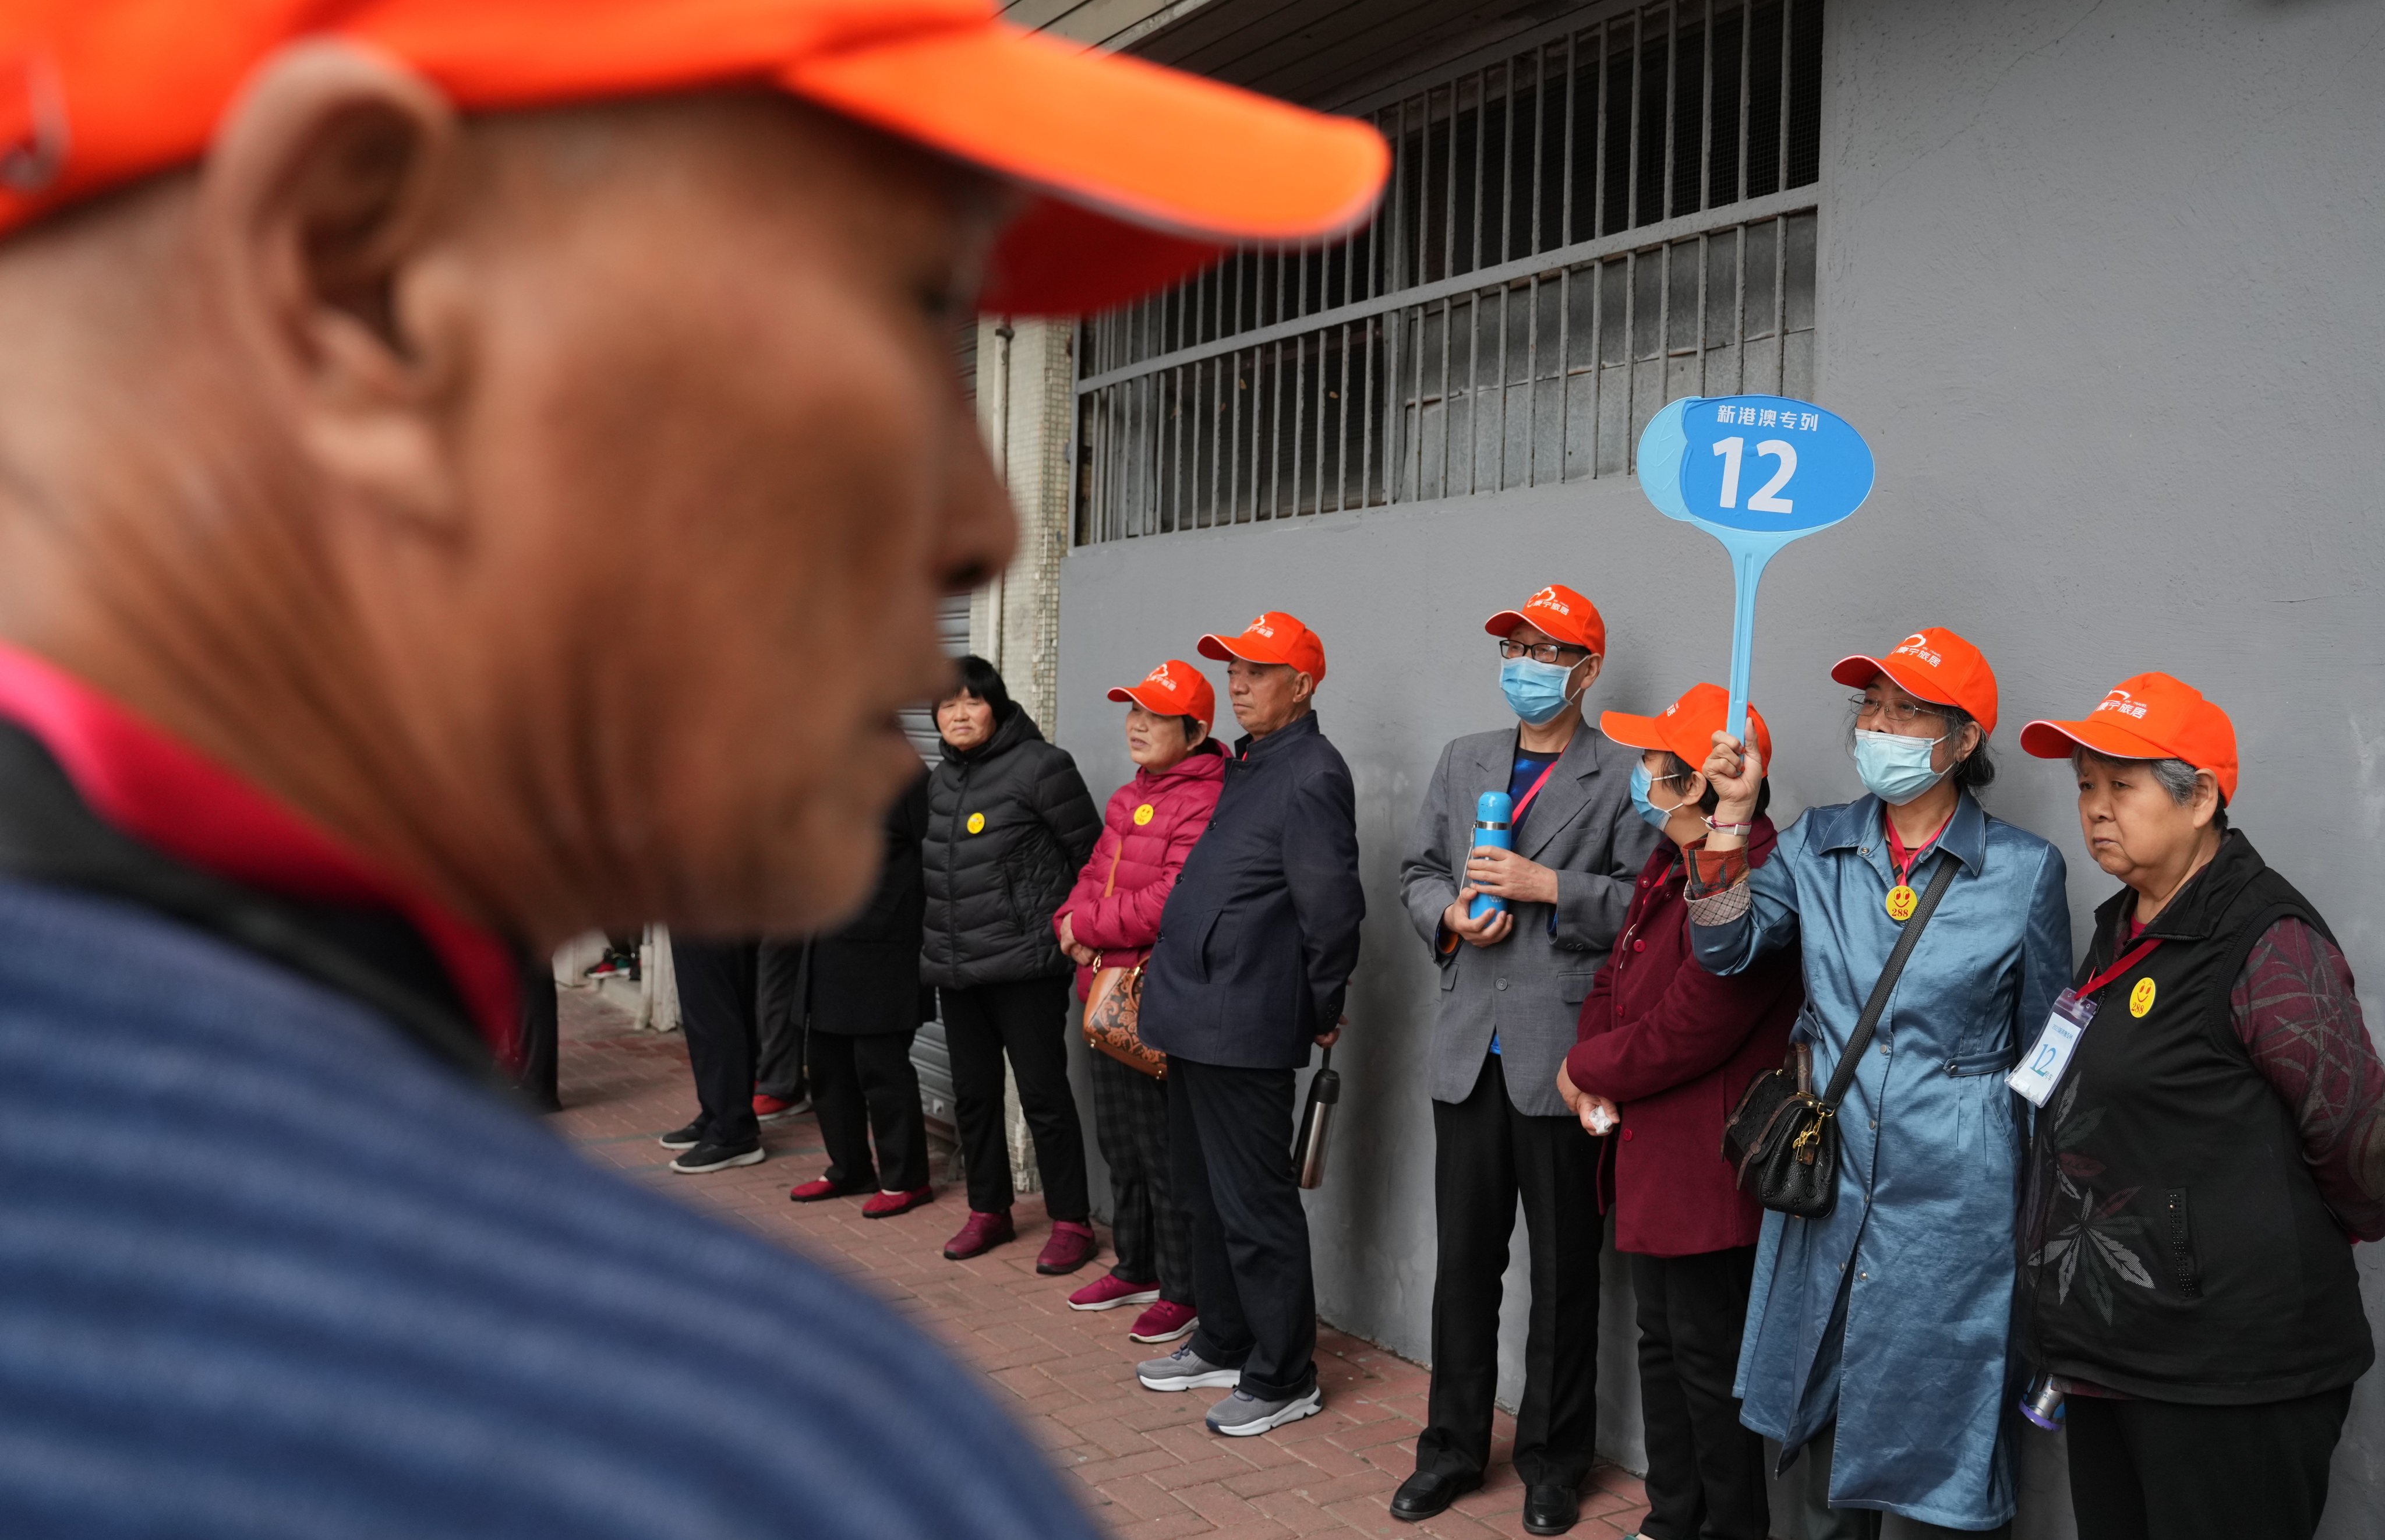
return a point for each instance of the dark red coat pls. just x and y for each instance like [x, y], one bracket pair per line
[1674, 1047]
[1137, 862]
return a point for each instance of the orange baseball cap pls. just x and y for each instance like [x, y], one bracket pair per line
[1687, 727]
[1274, 637]
[1936, 665]
[1174, 689]
[1137, 174]
[2151, 716]
[1564, 615]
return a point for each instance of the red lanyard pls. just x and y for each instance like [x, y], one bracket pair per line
[2129, 960]
[1898, 855]
[1516, 814]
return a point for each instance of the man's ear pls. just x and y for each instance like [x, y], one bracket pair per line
[321, 187]
[1592, 664]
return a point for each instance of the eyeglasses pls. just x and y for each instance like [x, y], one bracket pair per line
[1542, 652]
[1896, 714]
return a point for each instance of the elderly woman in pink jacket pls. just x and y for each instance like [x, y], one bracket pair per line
[1110, 919]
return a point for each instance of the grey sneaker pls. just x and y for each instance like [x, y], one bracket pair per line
[1243, 1414]
[1185, 1370]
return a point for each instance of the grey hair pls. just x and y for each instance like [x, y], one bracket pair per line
[2174, 776]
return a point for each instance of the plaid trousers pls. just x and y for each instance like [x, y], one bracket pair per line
[1147, 1230]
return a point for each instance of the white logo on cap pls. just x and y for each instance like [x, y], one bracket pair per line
[1547, 599]
[2121, 701]
[1261, 626]
[1918, 645]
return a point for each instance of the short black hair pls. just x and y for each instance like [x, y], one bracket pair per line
[1193, 728]
[975, 676]
[1675, 765]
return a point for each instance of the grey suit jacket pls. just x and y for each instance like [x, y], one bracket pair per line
[1529, 988]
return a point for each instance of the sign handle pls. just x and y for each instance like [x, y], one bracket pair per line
[1749, 552]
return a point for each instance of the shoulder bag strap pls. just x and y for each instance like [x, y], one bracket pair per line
[1841, 1077]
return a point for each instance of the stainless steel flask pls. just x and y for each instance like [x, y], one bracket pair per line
[1317, 1122]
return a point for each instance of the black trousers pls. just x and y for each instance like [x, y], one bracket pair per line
[2163, 1470]
[779, 1019]
[1147, 1226]
[541, 1028]
[715, 1012]
[1705, 1473]
[861, 1084]
[1231, 1135]
[1027, 1020]
[1486, 1155]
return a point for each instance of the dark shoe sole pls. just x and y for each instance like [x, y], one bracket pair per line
[952, 1256]
[1077, 1266]
[920, 1202]
[1418, 1515]
[754, 1156]
[832, 1192]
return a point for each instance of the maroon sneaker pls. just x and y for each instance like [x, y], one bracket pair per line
[885, 1206]
[819, 1188]
[979, 1235]
[1071, 1246]
[1110, 1291]
[1163, 1322]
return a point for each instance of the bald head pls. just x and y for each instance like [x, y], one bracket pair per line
[553, 506]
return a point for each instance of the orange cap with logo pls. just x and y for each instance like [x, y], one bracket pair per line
[1174, 689]
[1274, 637]
[1564, 615]
[2154, 716]
[1934, 664]
[1686, 728]
[1137, 174]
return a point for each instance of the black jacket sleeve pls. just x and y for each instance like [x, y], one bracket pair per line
[1067, 808]
[1321, 865]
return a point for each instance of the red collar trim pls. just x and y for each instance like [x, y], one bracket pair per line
[168, 795]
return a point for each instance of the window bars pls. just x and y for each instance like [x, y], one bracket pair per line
[1547, 269]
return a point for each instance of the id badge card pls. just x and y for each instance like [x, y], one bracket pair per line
[2041, 1069]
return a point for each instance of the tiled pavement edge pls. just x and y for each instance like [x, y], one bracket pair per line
[1150, 1470]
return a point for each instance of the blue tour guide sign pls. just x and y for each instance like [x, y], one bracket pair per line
[1755, 472]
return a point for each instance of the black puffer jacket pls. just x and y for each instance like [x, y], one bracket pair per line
[1009, 823]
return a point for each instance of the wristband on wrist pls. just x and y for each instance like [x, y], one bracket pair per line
[1717, 827]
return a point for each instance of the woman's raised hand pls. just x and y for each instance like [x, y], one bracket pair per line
[1736, 772]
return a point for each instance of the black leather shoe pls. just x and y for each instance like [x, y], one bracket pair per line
[1550, 1509]
[1428, 1493]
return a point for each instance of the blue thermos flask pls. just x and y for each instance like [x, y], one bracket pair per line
[1491, 813]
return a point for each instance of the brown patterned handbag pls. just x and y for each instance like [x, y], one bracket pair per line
[1112, 1012]
[1114, 1006]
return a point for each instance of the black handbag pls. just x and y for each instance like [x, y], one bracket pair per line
[1782, 1138]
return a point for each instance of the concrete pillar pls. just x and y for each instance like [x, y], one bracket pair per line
[1025, 370]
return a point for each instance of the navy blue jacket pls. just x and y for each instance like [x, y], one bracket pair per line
[1261, 933]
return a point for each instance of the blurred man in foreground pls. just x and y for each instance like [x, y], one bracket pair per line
[391, 387]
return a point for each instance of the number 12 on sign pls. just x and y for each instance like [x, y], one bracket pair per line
[1765, 501]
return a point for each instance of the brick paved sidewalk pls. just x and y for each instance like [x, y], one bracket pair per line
[1150, 1470]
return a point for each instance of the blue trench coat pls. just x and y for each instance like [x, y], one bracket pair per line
[1916, 1260]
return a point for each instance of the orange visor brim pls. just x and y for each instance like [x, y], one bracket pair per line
[1138, 174]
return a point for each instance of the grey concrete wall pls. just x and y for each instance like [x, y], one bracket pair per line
[2101, 285]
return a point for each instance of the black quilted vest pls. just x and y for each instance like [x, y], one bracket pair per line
[2173, 1244]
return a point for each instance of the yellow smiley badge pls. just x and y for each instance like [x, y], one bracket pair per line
[977, 823]
[2140, 999]
[1902, 903]
[1143, 814]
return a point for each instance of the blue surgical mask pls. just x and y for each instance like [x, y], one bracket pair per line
[1535, 691]
[1642, 783]
[1897, 768]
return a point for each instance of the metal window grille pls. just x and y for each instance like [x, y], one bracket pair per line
[1579, 229]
